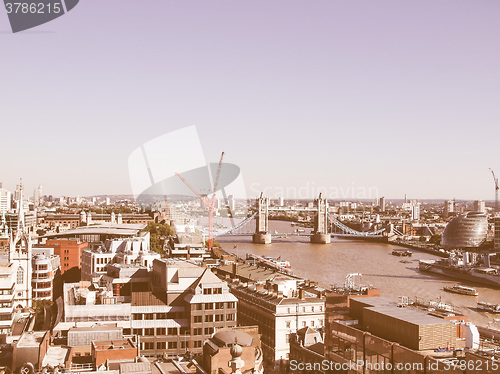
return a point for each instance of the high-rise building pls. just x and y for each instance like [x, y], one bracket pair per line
[479, 206]
[449, 207]
[37, 195]
[5, 200]
[497, 234]
[381, 204]
[231, 203]
[415, 211]
[46, 281]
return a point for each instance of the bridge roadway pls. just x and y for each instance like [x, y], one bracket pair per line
[285, 234]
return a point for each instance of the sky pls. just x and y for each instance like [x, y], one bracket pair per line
[385, 98]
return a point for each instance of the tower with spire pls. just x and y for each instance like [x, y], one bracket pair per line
[20, 257]
[4, 232]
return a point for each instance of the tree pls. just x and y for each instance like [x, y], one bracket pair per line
[215, 244]
[158, 233]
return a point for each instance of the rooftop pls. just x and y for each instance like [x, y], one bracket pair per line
[31, 339]
[129, 229]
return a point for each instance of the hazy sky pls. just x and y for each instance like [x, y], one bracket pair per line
[394, 95]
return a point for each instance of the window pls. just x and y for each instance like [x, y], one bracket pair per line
[303, 309]
[304, 323]
[217, 291]
[184, 344]
[149, 332]
[172, 331]
[197, 344]
[287, 338]
[197, 307]
[197, 331]
[207, 291]
[321, 322]
[149, 345]
[161, 315]
[208, 330]
[197, 319]
[219, 305]
[160, 331]
[137, 332]
[219, 317]
[312, 308]
[161, 345]
[230, 317]
[287, 324]
[312, 323]
[148, 316]
[231, 304]
[172, 345]
[136, 316]
[209, 318]
[209, 306]
[20, 275]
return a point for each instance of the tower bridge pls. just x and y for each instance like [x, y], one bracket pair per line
[322, 220]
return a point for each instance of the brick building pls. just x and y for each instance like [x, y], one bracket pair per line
[69, 251]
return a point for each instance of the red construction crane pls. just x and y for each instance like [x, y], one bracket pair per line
[495, 179]
[208, 202]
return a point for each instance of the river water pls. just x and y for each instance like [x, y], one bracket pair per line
[330, 263]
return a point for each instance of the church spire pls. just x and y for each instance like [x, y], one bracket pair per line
[20, 208]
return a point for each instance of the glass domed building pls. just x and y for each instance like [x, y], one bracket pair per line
[467, 230]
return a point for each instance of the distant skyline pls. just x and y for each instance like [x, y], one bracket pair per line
[397, 96]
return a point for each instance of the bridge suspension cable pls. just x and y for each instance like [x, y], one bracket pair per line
[238, 226]
[351, 231]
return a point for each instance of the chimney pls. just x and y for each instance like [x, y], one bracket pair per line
[188, 255]
[235, 268]
[301, 294]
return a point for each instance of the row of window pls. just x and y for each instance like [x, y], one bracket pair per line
[304, 323]
[37, 295]
[212, 306]
[305, 309]
[41, 284]
[214, 318]
[154, 316]
[169, 345]
[159, 331]
[199, 331]
[212, 291]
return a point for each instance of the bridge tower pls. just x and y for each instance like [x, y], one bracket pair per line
[320, 234]
[262, 235]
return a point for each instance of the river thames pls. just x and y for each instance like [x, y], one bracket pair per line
[329, 264]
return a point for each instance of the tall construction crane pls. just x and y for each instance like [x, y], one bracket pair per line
[208, 202]
[495, 179]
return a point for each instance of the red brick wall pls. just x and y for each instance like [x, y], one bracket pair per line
[72, 257]
[100, 356]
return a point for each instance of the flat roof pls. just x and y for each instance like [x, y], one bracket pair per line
[116, 344]
[410, 315]
[126, 229]
[254, 273]
[31, 339]
[95, 328]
